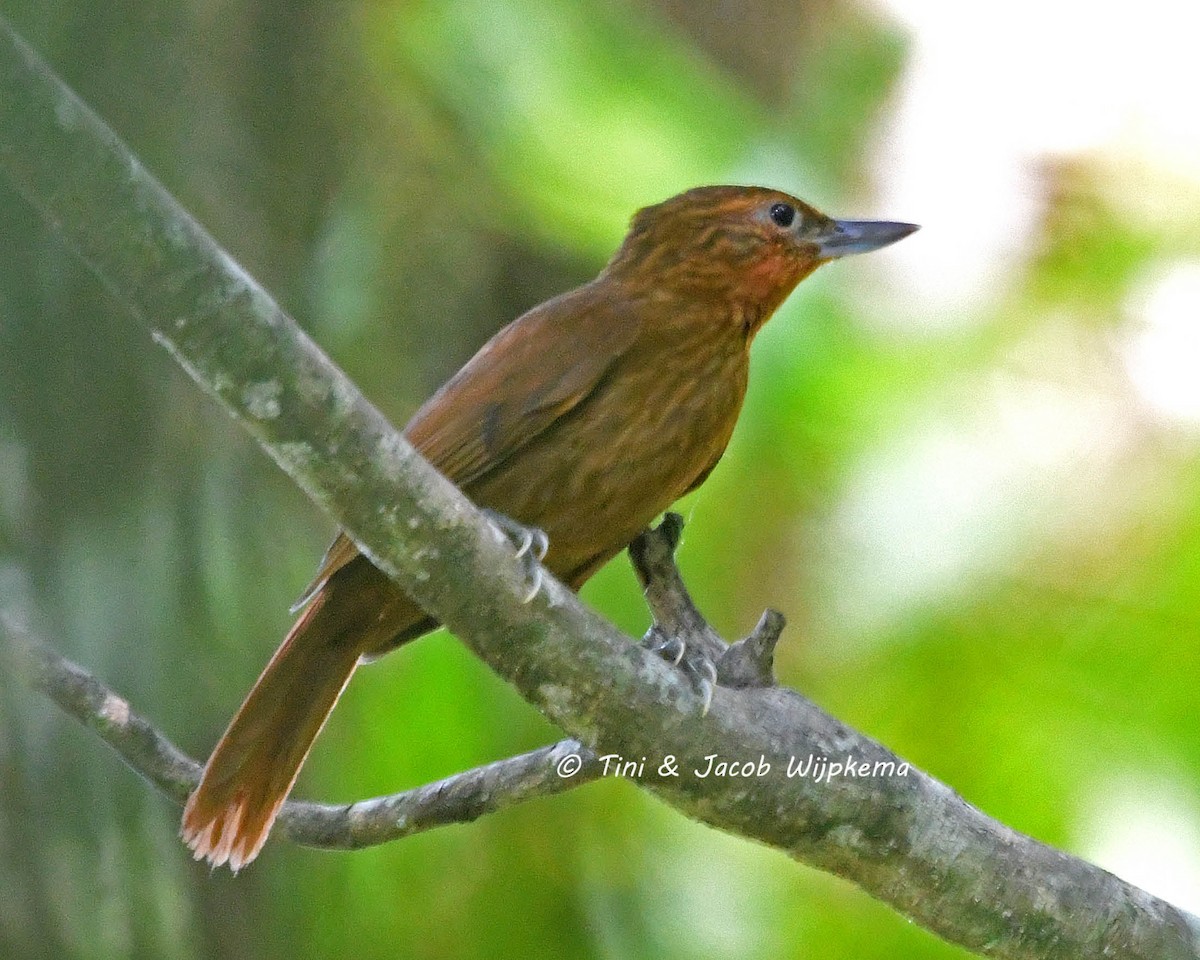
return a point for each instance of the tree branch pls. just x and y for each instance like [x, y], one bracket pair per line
[458, 799]
[908, 840]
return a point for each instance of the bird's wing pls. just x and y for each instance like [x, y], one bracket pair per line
[525, 378]
[340, 552]
[532, 372]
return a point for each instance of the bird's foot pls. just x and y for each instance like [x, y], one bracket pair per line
[531, 544]
[696, 665]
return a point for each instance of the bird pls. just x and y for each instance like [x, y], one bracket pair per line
[585, 418]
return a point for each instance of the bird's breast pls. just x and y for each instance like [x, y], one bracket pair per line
[656, 422]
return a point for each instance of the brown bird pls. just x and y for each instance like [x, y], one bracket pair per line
[584, 418]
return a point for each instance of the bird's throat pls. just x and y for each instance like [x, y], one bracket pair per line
[765, 286]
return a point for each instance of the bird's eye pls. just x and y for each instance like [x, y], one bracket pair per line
[783, 214]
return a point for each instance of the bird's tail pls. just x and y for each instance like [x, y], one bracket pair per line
[253, 767]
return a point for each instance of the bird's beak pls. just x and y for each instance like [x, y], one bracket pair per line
[843, 238]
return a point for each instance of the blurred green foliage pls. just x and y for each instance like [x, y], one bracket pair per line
[408, 176]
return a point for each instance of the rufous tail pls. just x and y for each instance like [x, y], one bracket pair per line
[252, 769]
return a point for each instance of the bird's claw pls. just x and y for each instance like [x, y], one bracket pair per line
[531, 543]
[534, 542]
[534, 586]
[699, 669]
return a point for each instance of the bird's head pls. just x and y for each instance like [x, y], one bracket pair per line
[748, 246]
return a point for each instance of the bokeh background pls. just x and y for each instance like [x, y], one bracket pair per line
[968, 468]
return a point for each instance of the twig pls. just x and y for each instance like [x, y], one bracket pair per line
[747, 663]
[458, 799]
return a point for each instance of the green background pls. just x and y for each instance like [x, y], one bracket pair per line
[406, 177]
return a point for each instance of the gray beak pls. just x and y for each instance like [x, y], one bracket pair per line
[844, 238]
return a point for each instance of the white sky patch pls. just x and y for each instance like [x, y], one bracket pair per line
[1161, 348]
[991, 90]
[992, 468]
[1145, 831]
